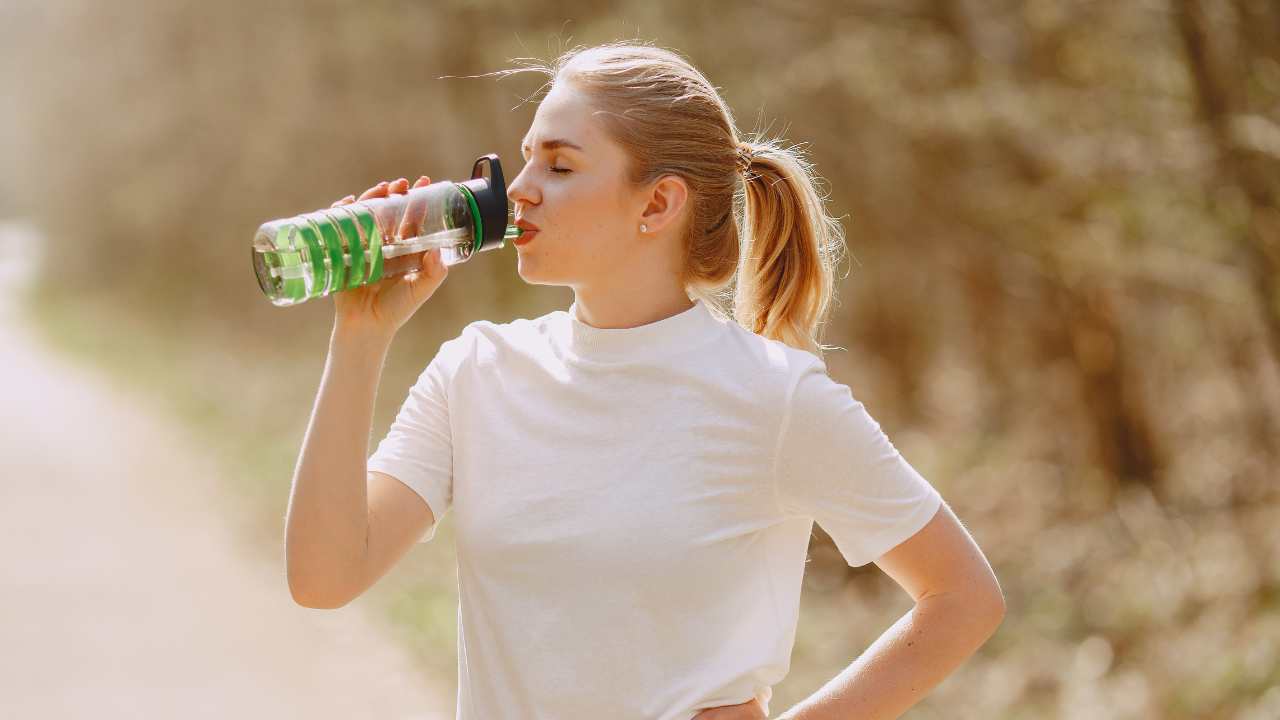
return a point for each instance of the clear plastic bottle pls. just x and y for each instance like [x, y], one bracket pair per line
[339, 248]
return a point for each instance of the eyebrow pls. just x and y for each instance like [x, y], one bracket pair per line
[553, 144]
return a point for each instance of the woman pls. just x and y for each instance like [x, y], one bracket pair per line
[636, 478]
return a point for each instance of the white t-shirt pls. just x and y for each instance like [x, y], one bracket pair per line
[633, 508]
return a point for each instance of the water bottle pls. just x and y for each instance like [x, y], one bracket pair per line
[339, 248]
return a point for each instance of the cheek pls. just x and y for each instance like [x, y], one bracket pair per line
[600, 210]
[580, 197]
[580, 211]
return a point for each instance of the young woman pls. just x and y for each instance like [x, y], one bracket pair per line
[635, 479]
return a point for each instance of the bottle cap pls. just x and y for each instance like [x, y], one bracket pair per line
[490, 194]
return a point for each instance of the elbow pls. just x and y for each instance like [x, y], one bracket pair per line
[981, 611]
[314, 600]
[992, 608]
[997, 594]
[316, 596]
[316, 585]
[991, 598]
[986, 600]
[998, 615]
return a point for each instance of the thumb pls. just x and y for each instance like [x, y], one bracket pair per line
[425, 281]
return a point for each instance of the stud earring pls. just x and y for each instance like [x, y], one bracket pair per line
[644, 228]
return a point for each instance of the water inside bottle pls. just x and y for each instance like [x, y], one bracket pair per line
[311, 255]
[292, 264]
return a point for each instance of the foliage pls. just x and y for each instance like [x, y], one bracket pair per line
[1064, 305]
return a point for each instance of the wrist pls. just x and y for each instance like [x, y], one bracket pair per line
[360, 340]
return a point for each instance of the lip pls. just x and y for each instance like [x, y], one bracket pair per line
[529, 231]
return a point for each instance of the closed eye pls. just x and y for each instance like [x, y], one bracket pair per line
[557, 170]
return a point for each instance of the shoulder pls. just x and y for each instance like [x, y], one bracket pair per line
[485, 340]
[482, 344]
[767, 368]
[818, 403]
[769, 355]
[807, 385]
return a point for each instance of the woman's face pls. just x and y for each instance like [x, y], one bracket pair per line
[588, 218]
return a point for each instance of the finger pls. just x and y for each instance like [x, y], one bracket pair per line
[436, 260]
[422, 181]
[415, 212]
[402, 264]
[383, 216]
[424, 266]
[379, 190]
[399, 186]
[344, 201]
[426, 281]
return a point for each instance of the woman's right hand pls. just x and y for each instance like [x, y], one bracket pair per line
[381, 308]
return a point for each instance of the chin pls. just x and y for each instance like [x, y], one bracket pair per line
[531, 273]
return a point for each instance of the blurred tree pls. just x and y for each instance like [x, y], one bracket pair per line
[1063, 305]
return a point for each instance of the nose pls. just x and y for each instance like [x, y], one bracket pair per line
[520, 189]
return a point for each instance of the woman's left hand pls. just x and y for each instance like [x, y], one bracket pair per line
[749, 710]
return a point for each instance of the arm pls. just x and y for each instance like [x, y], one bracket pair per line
[343, 535]
[346, 526]
[959, 605]
[327, 523]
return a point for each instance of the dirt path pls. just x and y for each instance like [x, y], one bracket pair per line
[123, 595]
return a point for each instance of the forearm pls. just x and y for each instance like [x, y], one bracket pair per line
[326, 528]
[905, 663]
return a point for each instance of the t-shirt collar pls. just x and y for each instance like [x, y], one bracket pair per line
[648, 341]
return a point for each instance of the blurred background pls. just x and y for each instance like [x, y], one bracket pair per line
[1062, 301]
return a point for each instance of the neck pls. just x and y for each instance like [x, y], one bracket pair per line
[627, 308]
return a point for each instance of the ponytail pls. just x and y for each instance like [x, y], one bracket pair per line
[786, 278]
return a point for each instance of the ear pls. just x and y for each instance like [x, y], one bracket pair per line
[666, 202]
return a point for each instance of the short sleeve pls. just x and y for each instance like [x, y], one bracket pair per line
[836, 466]
[418, 448]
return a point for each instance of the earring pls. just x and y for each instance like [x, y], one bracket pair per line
[644, 228]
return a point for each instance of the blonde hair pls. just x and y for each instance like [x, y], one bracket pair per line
[669, 119]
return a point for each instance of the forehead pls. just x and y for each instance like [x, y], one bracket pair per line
[563, 113]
